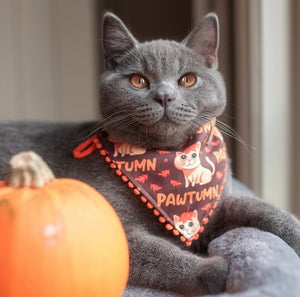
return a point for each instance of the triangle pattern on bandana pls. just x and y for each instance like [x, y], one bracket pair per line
[182, 187]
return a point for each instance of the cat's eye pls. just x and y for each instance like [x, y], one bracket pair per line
[191, 224]
[183, 157]
[187, 80]
[181, 227]
[139, 81]
[194, 155]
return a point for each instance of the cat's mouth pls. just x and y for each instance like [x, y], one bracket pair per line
[190, 164]
[166, 125]
[188, 234]
[168, 128]
[172, 114]
[153, 127]
[166, 122]
[178, 115]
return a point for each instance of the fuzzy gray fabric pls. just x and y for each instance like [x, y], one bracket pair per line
[260, 264]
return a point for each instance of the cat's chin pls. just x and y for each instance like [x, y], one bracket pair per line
[163, 135]
[163, 120]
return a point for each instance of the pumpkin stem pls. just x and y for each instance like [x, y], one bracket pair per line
[28, 169]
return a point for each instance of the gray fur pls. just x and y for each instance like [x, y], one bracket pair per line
[158, 260]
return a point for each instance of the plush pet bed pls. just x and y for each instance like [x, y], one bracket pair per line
[260, 264]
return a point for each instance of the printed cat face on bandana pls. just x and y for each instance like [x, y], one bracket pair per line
[181, 187]
[187, 223]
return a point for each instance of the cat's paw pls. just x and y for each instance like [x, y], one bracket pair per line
[209, 277]
[212, 275]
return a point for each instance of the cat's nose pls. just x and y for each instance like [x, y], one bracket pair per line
[164, 99]
[164, 94]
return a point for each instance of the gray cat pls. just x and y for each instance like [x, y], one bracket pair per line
[154, 95]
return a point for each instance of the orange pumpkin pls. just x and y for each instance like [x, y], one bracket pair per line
[61, 239]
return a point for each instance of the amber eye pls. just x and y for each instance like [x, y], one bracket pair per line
[187, 80]
[139, 81]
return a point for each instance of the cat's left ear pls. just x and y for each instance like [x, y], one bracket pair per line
[176, 219]
[204, 39]
[117, 39]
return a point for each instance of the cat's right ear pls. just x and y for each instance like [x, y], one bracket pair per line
[117, 39]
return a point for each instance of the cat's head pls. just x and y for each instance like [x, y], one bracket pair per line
[189, 158]
[187, 223]
[158, 93]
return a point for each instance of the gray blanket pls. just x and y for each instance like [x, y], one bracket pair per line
[260, 264]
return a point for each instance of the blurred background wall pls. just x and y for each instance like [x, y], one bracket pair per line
[51, 60]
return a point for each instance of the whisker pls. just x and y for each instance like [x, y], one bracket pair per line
[108, 121]
[229, 131]
[225, 129]
[228, 116]
[125, 124]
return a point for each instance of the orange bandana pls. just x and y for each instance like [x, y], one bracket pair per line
[181, 187]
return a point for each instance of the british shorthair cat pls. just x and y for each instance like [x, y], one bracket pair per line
[155, 95]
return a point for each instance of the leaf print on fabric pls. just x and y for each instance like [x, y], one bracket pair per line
[206, 207]
[175, 183]
[163, 152]
[164, 173]
[142, 178]
[155, 187]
